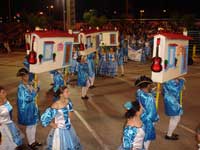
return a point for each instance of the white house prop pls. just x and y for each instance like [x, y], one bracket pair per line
[170, 56]
[49, 50]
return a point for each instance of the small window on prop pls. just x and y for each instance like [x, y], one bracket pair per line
[48, 50]
[112, 38]
[172, 56]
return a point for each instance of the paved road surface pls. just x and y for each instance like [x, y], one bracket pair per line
[99, 121]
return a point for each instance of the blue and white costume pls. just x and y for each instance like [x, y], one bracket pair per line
[58, 80]
[11, 137]
[133, 138]
[171, 92]
[112, 64]
[103, 64]
[120, 57]
[64, 136]
[83, 74]
[91, 65]
[74, 62]
[28, 113]
[149, 116]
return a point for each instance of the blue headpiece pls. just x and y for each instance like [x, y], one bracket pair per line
[128, 105]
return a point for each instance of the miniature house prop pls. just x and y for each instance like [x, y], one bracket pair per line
[48, 50]
[170, 56]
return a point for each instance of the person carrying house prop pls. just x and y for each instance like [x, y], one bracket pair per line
[58, 81]
[172, 93]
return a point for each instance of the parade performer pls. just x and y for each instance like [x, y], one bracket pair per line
[58, 81]
[112, 63]
[62, 135]
[28, 114]
[83, 77]
[91, 69]
[149, 117]
[173, 109]
[74, 63]
[133, 134]
[120, 57]
[12, 138]
[103, 64]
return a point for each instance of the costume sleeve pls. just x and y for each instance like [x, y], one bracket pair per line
[70, 106]
[48, 116]
[128, 137]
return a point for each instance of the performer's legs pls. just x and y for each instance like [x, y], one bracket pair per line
[30, 133]
[83, 91]
[146, 144]
[87, 87]
[174, 120]
[122, 69]
[92, 80]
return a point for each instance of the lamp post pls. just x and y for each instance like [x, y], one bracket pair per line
[141, 15]
[64, 15]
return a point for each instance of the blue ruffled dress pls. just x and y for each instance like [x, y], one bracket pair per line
[112, 65]
[91, 65]
[11, 137]
[149, 115]
[64, 136]
[171, 93]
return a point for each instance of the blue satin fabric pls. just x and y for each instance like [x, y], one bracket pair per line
[129, 135]
[83, 74]
[91, 66]
[15, 132]
[28, 113]
[149, 115]
[58, 80]
[171, 93]
[48, 116]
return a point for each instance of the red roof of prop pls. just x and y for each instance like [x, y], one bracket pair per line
[174, 36]
[44, 34]
[95, 30]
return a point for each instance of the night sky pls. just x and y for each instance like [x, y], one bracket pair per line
[152, 8]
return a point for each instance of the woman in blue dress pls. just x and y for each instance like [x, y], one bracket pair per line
[120, 60]
[150, 116]
[173, 109]
[11, 134]
[74, 64]
[133, 134]
[62, 135]
[91, 68]
[112, 63]
[83, 77]
[28, 113]
[103, 64]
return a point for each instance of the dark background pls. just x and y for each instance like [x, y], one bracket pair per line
[153, 8]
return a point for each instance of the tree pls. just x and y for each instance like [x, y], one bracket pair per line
[93, 20]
